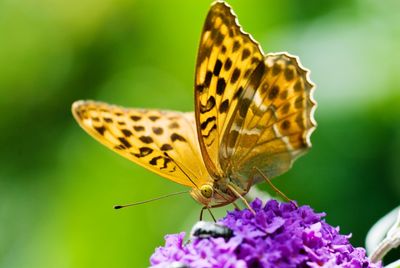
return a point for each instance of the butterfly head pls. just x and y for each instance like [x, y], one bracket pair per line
[204, 194]
[211, 196]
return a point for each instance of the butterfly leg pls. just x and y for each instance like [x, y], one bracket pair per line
[212, 216]
[201, 213]
[235, 205]
[238, 195]
[251, 179]
[256, 169]
[209, 210]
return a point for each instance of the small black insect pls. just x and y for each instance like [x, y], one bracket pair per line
[204, 229]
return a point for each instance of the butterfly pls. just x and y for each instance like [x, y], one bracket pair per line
[253, 118]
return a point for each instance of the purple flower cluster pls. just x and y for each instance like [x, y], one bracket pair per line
[279, 235]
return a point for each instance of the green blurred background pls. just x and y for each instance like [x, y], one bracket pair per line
[58, 185]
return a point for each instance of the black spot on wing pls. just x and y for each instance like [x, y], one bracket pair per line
[289, 74]
[153, 161]
[298, 86]
[264, 87]
[223, 49]
[146, 139]
[207, 80]
[166, 147]
[209, 106]
[219, 39]
[204, 124]
[228, 64]
[217, 67]
[166, 161]
[136, 117]
[100, 130]
[236, 46]
[173, 125]
[231, 32]
[238, 93]
[255, 60]
[214, 33]
[143, 151]
[221, 84]
[276, 69]
[124, 142]
[126, 132]
[285, 125]
[119, 147]
[214, 127]
[154, 118]
[283, 94]
[158, 130]
[223, 107]
[235, 75]
[299, 102]
[247, 73]
[245, 54]
[200, 88]
[299, 121]
[273, 93]
[285, 108]
[176, 136]
[138, 128]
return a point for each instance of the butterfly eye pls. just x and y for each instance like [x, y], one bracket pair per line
[206, 191]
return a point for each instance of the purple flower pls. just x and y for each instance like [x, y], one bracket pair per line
[279, 235]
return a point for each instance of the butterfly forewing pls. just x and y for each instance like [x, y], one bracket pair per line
[158, 140]
[273, 122]
[227, 58]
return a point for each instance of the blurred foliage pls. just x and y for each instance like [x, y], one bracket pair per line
[58, 185]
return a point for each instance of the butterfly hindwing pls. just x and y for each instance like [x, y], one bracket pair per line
[226, 59]
[161, 141]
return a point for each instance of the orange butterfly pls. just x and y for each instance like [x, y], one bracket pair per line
[253, 117]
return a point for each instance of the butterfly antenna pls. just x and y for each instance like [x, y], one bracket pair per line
[150, 200]
[181, 169]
